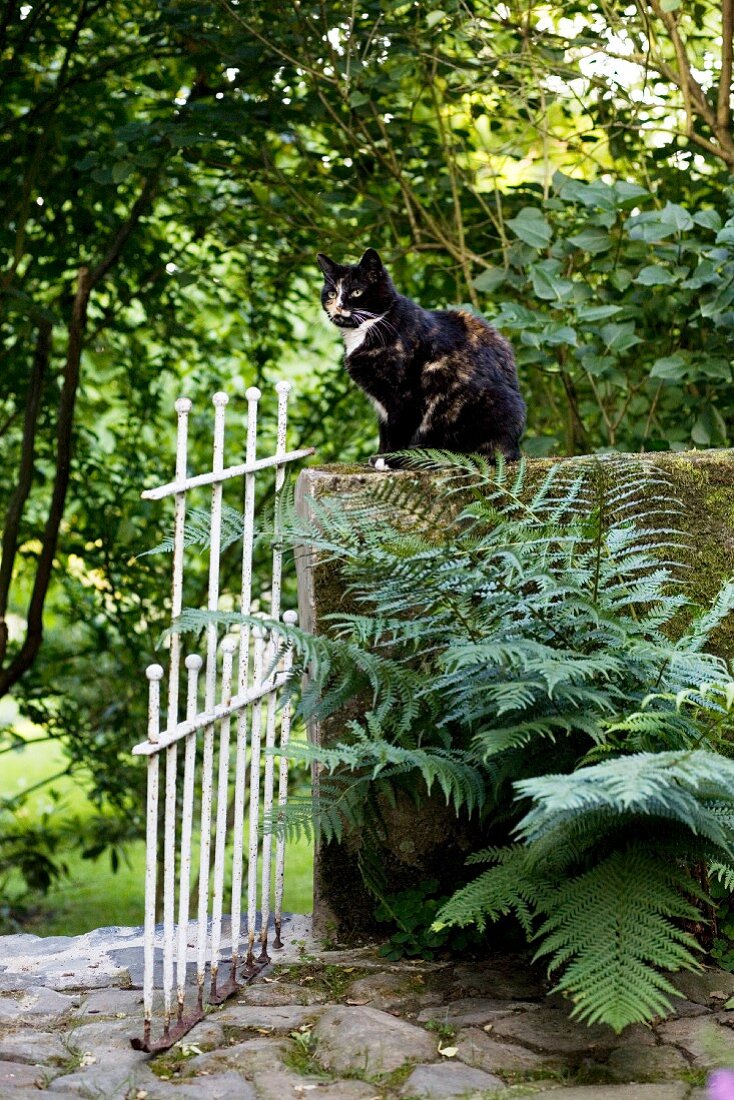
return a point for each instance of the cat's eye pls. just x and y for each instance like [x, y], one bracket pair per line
[355, 293]
[331, 294]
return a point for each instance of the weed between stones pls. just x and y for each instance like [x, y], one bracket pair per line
[445, 1032]
[330, 979]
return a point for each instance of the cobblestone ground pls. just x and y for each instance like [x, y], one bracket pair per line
[340, 1025]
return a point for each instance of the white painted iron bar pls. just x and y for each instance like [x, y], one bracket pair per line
[154, 674]
[255, 729]
[210, 684]
[290, 618]
[267, 812]
[193, 666]
[216, 477]
[283, 390]
[253, 395]
[229, 645]
[183, 407]
[206, 718]
[169, 873]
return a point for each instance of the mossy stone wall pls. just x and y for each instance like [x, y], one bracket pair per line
[429, 843]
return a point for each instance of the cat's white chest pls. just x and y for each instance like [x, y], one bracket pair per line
[355, 337]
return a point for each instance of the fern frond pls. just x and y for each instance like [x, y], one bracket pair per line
[694, 788]
[508, 887]
[611, 929]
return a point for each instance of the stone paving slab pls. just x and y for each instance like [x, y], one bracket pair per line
[369, 1040]
[341, 1025]
[477, 1048]
[449, 1082]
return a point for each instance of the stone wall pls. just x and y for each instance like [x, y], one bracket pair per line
[431, 845]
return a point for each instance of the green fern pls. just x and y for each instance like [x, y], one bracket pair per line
[695, 789]
[611, 930]
[519, 648]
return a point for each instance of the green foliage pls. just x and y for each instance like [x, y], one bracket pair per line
[559, 687]
[580, 287]
[413, 911]
[193, 157]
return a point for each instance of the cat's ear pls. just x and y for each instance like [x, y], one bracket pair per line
[371, 262]
[328, 266]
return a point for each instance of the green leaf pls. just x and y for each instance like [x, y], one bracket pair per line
[657, 225]
[671, 368]
[434, 17]
[654, 275]
[670, 5]
[598, 365]
[709, 428]
[619, 337]
[592, 240]
[629, 192]
[704, 274]
[709, 219]
[531, 227]
[555, 335]
[490, 279]
[121, 170]
[724, 236]
[547, 284]
[596, 194]
[596, 313]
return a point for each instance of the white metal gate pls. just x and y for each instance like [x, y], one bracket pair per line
[230, 693]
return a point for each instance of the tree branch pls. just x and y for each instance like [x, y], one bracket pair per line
[14, 515]
[723, 105]
[34, 630]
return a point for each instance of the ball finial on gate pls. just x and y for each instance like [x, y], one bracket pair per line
[229, 643]
[283, 387]
[193, 662]
[253, 393]
[182, 405]
[154, 672]
[220, 398]
[290, 618]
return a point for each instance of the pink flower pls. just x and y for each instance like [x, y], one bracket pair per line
[721, 1085]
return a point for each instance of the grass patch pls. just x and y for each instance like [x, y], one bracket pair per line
[301, 1058]
[92, 894]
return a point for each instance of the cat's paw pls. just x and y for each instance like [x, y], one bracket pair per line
[377, 462]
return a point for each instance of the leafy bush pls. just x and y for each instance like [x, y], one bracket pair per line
[621, 311]
[532, 651]
[413, 911]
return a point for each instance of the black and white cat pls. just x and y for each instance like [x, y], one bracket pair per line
[437, 378]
